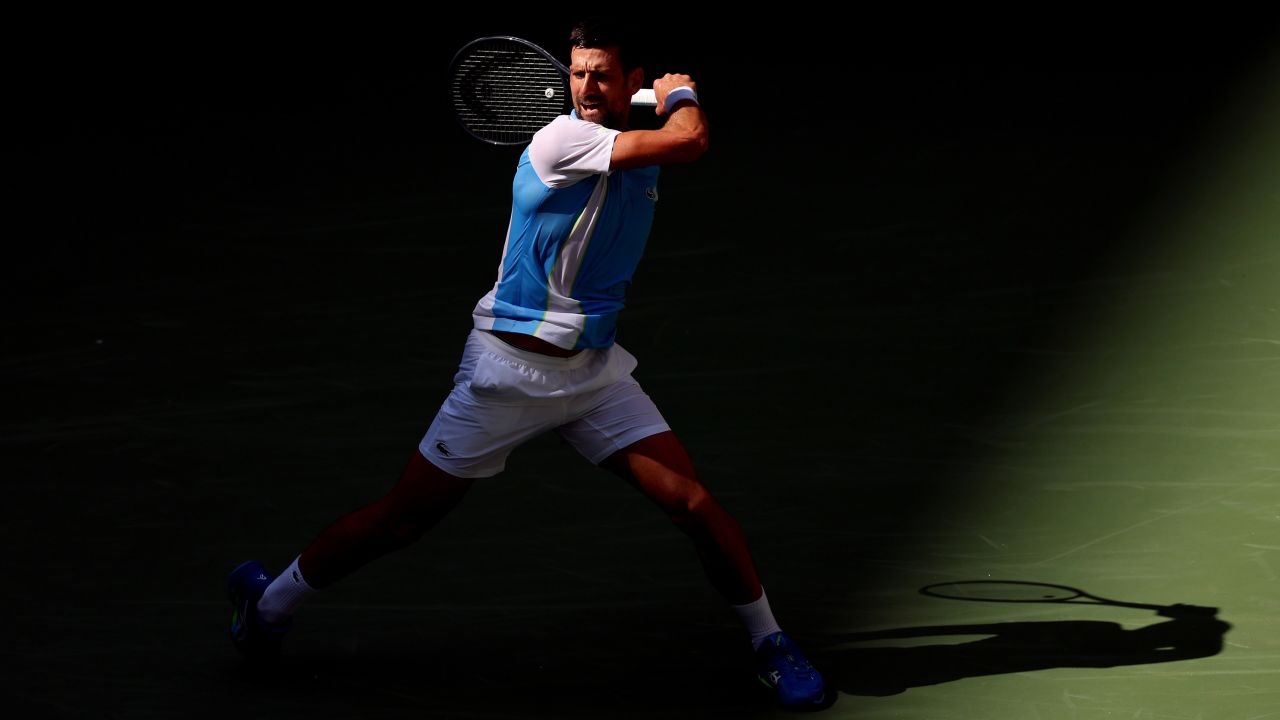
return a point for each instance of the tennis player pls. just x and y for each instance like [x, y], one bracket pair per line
[541, 356]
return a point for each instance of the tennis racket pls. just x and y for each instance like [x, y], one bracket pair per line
[504, 89]
[1015, 591]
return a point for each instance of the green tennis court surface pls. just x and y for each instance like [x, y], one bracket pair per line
[1003, 320]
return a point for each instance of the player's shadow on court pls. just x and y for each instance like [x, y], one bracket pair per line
[1014, 647]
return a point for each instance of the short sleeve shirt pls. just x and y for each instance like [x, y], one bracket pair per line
[576, 235]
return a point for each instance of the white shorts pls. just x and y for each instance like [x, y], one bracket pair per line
[503, 396]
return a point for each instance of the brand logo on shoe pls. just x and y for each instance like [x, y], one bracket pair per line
[444, 449]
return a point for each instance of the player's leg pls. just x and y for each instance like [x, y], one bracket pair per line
[659, 467]
[619, 428]
[264, 606]
[470, 438]
[420, 499]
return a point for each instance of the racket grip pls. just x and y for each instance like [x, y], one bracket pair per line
[1178, 610]
[644, 98]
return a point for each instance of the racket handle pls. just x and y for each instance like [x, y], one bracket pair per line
[1178, 610]
[644, 98]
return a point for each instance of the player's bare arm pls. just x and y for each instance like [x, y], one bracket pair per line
[682, 139]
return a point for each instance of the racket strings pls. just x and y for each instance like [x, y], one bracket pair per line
[504, 92]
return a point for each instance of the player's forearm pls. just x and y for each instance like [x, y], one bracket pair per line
[677, 95]
[688, 125]
[683, 137]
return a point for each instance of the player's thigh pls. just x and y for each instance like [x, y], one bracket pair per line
[605, 421]
[425, 492]
[660, 468]
[625, 433]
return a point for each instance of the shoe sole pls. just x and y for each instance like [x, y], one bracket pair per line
[817, 702]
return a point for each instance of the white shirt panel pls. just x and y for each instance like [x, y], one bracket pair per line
[568, 150]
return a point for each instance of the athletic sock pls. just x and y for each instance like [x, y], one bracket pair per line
[283, 596]
[758, 618]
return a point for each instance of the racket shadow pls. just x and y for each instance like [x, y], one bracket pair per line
[1014, 647]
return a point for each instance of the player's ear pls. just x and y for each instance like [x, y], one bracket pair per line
[635, 80]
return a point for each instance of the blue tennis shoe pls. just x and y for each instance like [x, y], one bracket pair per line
[254, 637]
[788, 674]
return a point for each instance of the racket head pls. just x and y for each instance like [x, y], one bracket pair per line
[1009, 591]
[504, 89]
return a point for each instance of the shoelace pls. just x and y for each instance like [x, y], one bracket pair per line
[801, 668]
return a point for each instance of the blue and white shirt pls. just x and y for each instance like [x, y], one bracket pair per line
[576, 235]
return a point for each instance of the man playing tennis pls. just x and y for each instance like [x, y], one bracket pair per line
[542, 356]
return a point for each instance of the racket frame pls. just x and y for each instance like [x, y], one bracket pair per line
[645, 97]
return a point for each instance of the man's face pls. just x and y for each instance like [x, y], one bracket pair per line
[601, 91]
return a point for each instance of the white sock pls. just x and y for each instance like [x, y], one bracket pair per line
[283, 596]
[758, 618]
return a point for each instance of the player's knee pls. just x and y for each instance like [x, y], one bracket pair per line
[694, 508]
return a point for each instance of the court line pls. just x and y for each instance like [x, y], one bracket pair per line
[1148, 521]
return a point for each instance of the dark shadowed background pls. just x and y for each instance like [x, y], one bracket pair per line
[242, 258]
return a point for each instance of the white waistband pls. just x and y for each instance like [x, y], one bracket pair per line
[538, 360]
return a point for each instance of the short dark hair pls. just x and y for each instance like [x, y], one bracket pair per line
[603, 32]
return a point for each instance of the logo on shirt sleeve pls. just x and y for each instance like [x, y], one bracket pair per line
[651, 193]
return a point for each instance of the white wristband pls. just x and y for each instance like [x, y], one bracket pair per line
[684, 92]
